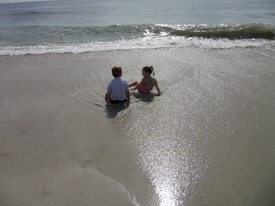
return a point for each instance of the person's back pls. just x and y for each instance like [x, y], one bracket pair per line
[118, 89]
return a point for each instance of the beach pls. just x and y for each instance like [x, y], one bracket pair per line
[207, 140]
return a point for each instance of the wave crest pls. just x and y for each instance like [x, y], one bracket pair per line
[45, 39]
[140, 43]
[244, 31]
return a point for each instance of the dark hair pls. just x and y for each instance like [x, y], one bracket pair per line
[116, 71]
[149, 69]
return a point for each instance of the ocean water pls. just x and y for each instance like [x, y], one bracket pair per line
[84, 26]
[208, 140]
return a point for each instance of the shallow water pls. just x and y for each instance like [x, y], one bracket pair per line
[207, 140]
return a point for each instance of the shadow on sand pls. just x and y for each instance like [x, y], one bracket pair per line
[148, 97]
[114, 109]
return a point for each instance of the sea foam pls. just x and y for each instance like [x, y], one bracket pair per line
[147, 42]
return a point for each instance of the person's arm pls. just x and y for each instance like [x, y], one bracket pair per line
[141, 82]
[127, 93]
[108, 97]
[128, 97]
[157, 87]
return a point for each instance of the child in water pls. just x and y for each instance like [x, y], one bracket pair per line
[147, 83]
[117, 90]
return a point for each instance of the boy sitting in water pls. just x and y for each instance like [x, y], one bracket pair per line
[118, 89]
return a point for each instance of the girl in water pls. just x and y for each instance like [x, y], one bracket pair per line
[147, 83]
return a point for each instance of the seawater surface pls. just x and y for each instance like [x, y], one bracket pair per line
[85, 26]
[207, 140]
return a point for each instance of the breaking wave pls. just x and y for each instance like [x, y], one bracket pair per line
[46, 39]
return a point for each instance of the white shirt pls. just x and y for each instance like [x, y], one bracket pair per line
[118, 89]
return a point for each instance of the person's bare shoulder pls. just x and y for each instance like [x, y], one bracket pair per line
[155, 81]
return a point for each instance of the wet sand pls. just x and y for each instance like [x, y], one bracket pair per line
[207, 140]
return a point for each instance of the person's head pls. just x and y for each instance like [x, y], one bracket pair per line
[147, 71]
[117, 71]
